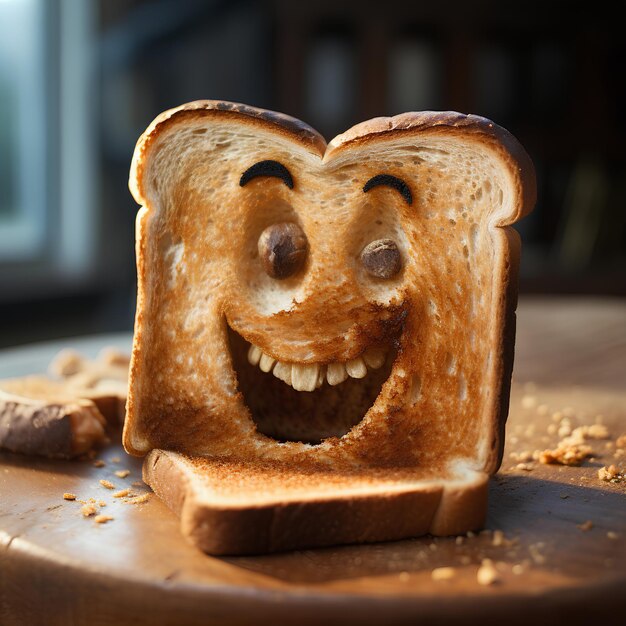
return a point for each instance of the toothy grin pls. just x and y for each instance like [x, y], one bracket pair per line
[337, 394]
[311, 376]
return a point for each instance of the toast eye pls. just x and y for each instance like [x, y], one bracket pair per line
[381, 258]
[282, 249]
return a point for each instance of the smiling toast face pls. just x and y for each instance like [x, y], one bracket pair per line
[350, 304]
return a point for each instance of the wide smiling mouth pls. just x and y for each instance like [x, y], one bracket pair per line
[309, 402]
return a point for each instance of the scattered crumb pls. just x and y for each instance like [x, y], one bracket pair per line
[459, 540]
[563, 496]
[107, 484]
[557, 416]
[433, 547]
[526, 467]
[498, 538]
[443, 573]
[585, 526]
[487, 573]
[69, 496]
[101, 503]
[470, 534]
[137, 483]
[620, 442]
[529, 402]
[572, 455]
[99, 463]
[518, 569]
[88, 509]
[139, 499]
[115, 459]
[122, 473]
[611, 534]
[535, 554]
[611, 474]
[122, 493]
[102, 519]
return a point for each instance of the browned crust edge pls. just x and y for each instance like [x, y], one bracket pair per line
[278, 122]
[452, 123]
[261, 529]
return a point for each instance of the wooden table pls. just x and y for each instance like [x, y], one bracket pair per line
[560, 549]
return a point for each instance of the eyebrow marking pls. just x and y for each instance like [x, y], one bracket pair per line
[267, 168]
[390, 181]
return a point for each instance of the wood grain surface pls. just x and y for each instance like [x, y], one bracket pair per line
[556, 535]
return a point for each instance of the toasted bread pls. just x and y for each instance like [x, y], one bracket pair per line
[375, 277]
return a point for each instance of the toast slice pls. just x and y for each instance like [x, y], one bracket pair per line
[229, 507]
[348, 306]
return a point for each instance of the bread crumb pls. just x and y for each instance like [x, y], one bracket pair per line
[620, 442]
[470, 534]
[137, 483]
[443, 573]
[535, 554]
[122, 493]
[610, 474]
[69, 496]
[99, 463]
[107, 484]
[115, 459]
[529, 402]
[498, 538]
[88, 509]
[487, 573]
[101, 503]
[459, 540]
[572, 455]
[585, 526]
[122, 473]
[611, 534]
[102, 519]
[526, 467]
[564, 496]
[517, 569]
[139, 499]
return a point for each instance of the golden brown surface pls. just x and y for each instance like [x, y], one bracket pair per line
[450, 310]
[556, 535]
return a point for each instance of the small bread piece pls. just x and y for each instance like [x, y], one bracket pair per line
[385, 349]
[38, 416]
[103, 380]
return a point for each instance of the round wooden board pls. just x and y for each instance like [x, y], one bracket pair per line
[560, 549]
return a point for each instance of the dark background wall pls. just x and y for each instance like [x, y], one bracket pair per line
[550, 72]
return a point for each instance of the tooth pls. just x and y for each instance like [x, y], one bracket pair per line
[374, 357]
[282, 371]
[266, 362]
[320, 377]
[254, 354]
[304, 376]
[336, 373]
[356, 368]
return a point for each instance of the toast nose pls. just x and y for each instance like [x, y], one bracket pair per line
[283, 249]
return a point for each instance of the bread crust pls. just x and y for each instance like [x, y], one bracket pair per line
[220, 528]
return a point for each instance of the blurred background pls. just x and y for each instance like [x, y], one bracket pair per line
[81, 79]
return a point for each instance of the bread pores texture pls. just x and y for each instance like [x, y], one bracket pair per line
[446, 399]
